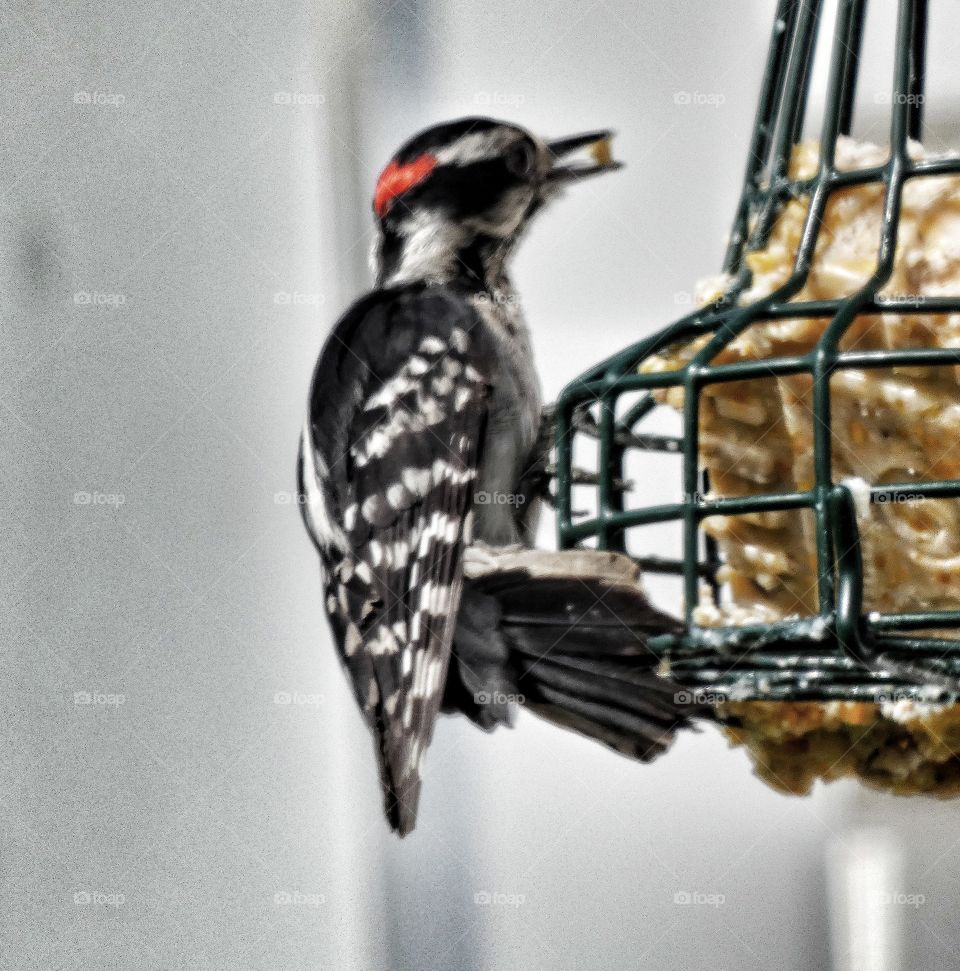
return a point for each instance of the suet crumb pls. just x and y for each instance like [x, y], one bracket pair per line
[602, 152]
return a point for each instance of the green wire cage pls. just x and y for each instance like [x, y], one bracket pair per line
[843, 652]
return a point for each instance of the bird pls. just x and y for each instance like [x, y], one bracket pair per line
[418, 474]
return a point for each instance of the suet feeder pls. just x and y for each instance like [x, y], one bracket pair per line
[842, 648]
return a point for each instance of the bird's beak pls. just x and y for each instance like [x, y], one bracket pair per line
[580, 156]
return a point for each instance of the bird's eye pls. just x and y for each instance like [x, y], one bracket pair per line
[521, 159]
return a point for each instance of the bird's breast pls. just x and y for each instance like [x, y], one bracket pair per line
[513, 426]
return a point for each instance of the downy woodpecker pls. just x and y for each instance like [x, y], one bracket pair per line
[418, 469]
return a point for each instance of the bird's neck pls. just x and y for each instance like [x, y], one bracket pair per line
[442, 252]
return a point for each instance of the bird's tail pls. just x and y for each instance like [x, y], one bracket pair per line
[565, 635]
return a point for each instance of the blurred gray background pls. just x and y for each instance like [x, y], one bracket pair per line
[184, 781]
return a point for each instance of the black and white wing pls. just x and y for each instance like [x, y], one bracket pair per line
[388, 463]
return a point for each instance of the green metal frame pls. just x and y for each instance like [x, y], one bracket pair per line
[841, 653]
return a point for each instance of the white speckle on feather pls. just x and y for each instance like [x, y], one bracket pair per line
[416, 480]
[433, 676]
[433, 598]
[419, 666]
[431, 411]
[401, 553]
[371, 506]
[386, 395]
[352, 640]
[451, 529]
[323, 526]
[350, 516]
[459, 339]
[432, 345]
[383, 643]
[397, 495]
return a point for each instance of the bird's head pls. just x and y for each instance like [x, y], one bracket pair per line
[455, 198]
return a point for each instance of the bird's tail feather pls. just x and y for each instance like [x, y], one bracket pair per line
[571, 629]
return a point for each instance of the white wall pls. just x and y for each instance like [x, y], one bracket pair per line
[189, 198]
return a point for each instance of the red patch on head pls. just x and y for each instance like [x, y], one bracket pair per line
[396, 179]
